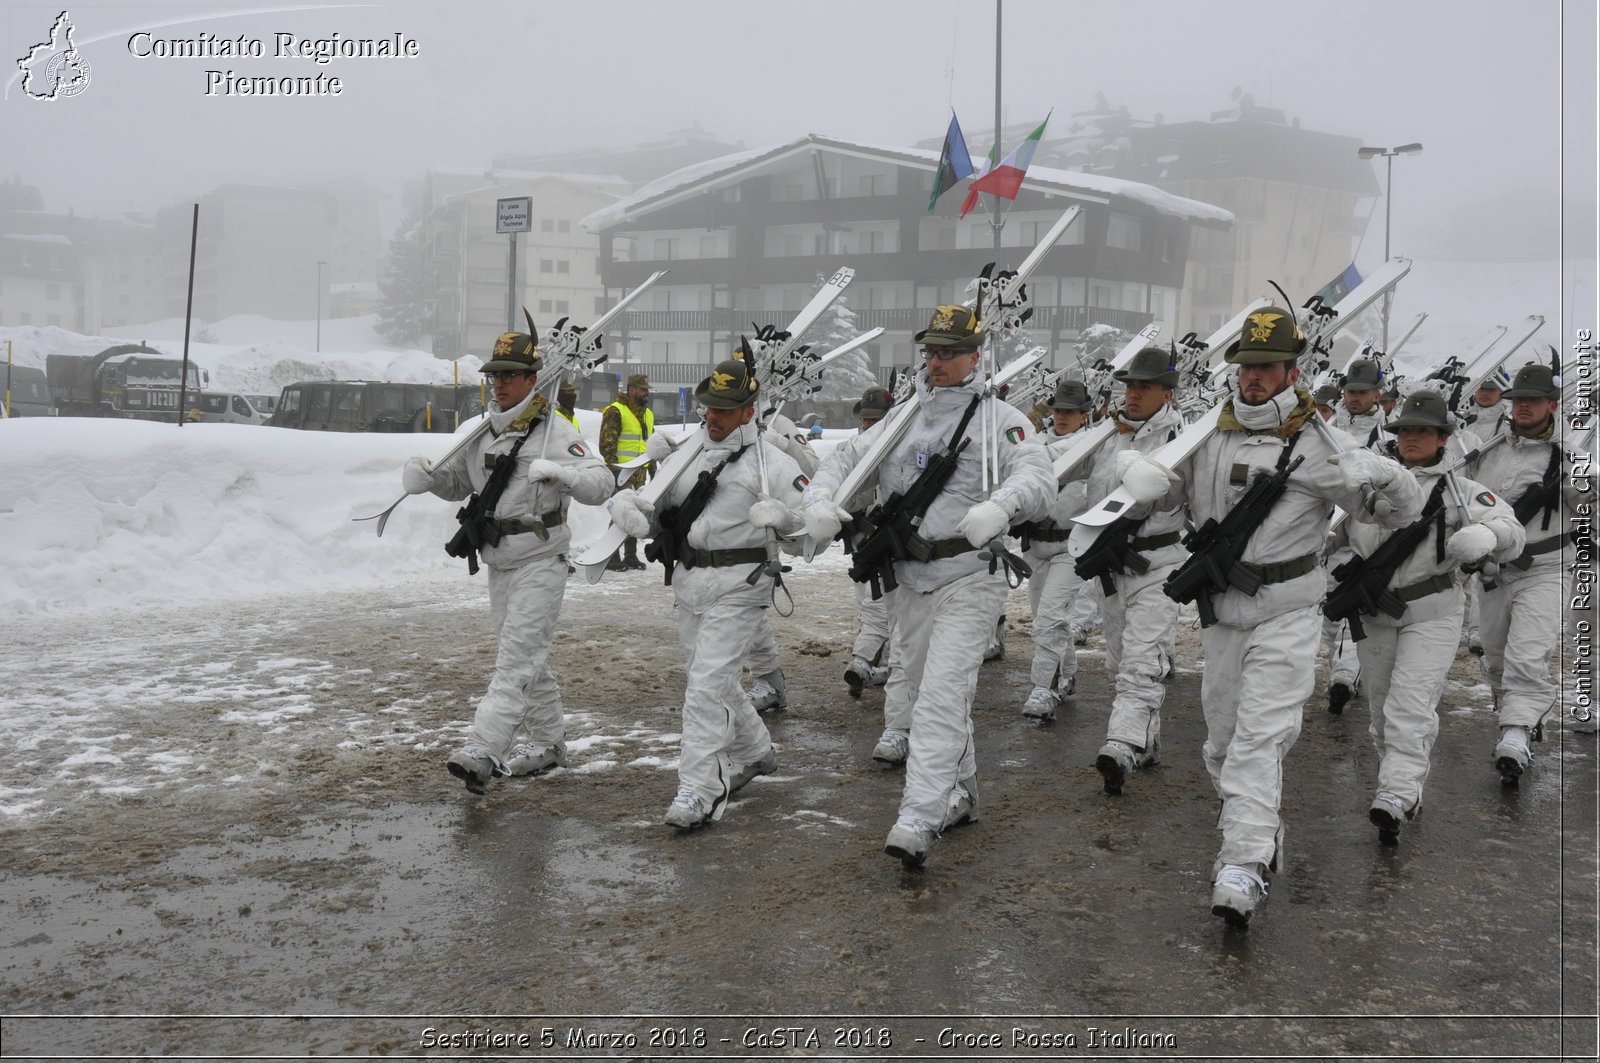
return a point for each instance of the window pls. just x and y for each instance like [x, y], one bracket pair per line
[709, 247]
[872, 243]
[789, 193]
[562, 307]
[545, 306]
[945, 239]
[546, 225]
[563, 226]
[666, 247]
[547, 265]
[52, 291]
[872, 184]
[791, 244]
[1122, 231]
[563, 266]
[600, 304]
[241, 407]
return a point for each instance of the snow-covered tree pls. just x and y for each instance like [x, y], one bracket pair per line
[848, 377]
[406, 313]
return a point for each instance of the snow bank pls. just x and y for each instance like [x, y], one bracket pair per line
[110, 514]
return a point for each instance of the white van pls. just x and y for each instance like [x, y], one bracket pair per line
[228, 407]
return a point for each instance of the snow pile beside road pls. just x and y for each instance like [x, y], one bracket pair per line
[98, 515]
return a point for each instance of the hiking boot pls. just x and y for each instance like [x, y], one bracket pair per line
[687, 811]
[910, 840]
[1339, 694]
[1116, 763]
[1388, 814]
[474, 766]
[536, 760]
[1236, 893]
[745, 772]
[1041, 704]
[997, 646]
[1070, 689]
[893, 747]
[858, 675]
[1511, 755]
[963, 804]
[616, 564]
[770, 692]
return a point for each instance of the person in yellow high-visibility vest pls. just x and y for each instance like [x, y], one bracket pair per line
[567, 404]
[625, 426]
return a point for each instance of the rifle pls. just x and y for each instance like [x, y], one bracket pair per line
[478, 528]
[1364, 582]
[1216, 548]
[889, 530]
[672, 545]
[1111, 552]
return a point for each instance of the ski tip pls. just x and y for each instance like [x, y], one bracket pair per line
[596, 572]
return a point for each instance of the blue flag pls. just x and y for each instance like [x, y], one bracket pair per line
[1340, 286]
[954, 162]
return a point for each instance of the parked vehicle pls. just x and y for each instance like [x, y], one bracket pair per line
[127, 380]
[228, 407]
[30, 393]
[374, 406]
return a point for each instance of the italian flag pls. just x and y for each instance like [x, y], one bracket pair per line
[1005, 179]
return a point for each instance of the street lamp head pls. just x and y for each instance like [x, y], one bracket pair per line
[1367, 153]
[1409, 149]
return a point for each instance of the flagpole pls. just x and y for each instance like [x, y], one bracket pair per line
[996, 222]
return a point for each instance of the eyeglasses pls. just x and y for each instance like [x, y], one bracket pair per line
[944, 354]
[502, 375]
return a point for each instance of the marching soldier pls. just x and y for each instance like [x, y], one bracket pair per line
[1520, 614]
[625, 427]
[711, 536]
[869, 655]
[1362, 415]
[945, 605]
[1260, 649]
[1406, 659]
[522, 472]
[1327, 399]
[1140, 621]
[1054, 588]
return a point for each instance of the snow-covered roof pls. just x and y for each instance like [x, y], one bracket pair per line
[41, 238]
[1090, 187]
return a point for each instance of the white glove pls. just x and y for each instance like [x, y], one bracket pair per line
[768, 513]
[824, 517]
[417, 476]
[1146, 480]
[984, 522]
[631, 513]
[1125, 460]
[1363, 467]
[543, 469]
[658, 448]
[1471, 543]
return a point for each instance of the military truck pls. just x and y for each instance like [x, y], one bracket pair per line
[125, 380]
[374, 406]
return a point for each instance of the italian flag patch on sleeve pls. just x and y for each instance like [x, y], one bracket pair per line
[1016, 435]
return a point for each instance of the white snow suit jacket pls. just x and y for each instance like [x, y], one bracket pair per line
[1027, 482]
[1100, 473]
[1366, 428]
[1517, 464]
[1072, 499]
[469, 470]
[1483, 506]
[725, 522]
[1219, 472]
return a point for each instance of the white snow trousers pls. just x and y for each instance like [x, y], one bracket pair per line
[1405, 669]
[1520, 623]
[763, 658]
[1344, 664]
[1141, 625]
[721, 730]
[942, 635]
[1054, 591]
[872, 633]
[1254, 690]
[524, 604]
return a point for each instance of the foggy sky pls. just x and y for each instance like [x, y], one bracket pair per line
[1478, 82]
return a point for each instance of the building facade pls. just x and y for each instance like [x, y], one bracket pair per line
[749, 237]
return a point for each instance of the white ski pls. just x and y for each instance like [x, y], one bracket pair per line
[593, 557]
[1325, 324]
[1040, 385]
[1513, 340]
[571, 349]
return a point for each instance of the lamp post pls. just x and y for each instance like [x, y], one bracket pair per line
[320, 264]
[1388, 200]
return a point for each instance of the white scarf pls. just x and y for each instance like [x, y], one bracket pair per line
[1267, 415]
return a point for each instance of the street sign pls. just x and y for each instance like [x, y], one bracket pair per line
[513, 215]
